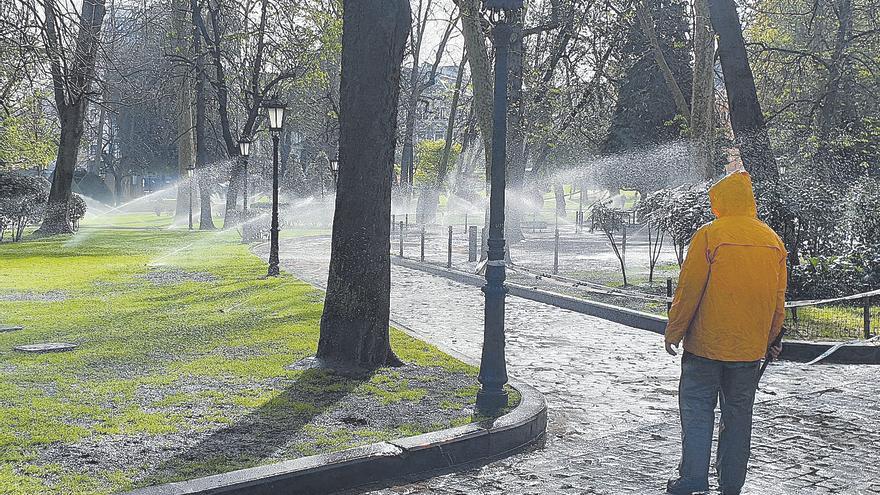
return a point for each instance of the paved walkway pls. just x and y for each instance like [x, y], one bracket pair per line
[611, 392]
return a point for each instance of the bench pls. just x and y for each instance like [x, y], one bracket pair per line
[534, 225]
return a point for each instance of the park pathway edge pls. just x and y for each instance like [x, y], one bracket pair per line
[793, 350]
[381, 464]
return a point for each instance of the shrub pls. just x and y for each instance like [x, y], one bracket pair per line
[22, 202]
[76, 210]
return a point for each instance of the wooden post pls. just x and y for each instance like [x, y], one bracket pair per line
[867, 317]
[422, 255]
[401, 239]
[556, 252]
[449, 249]
[472, 243]
[465, 223]
[668, 294]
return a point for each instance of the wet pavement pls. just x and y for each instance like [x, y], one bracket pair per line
[611, 392]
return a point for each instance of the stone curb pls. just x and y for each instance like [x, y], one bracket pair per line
[793, 350]
[804, 352]
[624, 316]
[382, 463]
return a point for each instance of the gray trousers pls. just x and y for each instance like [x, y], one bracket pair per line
[703, 382]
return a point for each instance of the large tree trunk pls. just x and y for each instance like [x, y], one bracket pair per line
[746, 117]
[463, 186]
[354, 326]
[559, 194]
[837, 103]
[206, 221]
[71, 101]
[703, 94]
[646, 21]
[182, 31]
[481, 78]
[56, 220]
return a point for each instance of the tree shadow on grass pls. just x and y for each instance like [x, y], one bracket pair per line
[274, 431]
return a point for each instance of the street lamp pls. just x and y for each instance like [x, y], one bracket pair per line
[493, 368]
[275, 110]
[244, 149]
[189, 173]
[334, 169]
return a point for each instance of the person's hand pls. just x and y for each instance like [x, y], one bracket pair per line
[775, 351]
[672, 348]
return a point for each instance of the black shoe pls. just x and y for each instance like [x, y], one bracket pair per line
[678, 487]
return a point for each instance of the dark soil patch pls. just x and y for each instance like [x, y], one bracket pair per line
[171, 276]
[50, 296]
[279, 418]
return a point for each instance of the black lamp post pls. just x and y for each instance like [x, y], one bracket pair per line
[493, 368]
[275, 111]
[334, 169]
[189, 173]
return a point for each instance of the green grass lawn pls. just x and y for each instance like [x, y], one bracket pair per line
[182, 346]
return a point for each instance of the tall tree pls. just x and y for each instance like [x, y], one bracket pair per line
[702, 124]
[645, 104]
[746, 116]
[206, 220]
[354, 326]
[72, 77]
[419, 81]
[182, 31]
[430, 196]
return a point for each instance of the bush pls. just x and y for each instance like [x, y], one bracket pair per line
[680, 214]
[22, 202]
[863, 213]
[76, 210]
[822, 277]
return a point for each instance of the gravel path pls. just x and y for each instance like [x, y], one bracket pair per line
[611, 392]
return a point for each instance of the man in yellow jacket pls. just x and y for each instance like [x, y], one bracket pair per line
[728, 307]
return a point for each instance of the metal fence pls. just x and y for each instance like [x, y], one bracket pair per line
[853, 317]
[554, 258]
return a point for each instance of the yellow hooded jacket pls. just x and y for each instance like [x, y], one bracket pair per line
[730, 301]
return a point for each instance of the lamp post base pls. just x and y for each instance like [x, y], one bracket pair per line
[491, 401]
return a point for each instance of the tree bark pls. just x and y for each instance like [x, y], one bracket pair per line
[647, 24]
[182, 32]
[206, 221]
[481, 78]
[70, 90]
[354, 325]
[702, 123]
[836, 103]
[481, 73]
[746, 116]
[559, 194]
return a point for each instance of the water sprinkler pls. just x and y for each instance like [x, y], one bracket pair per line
[189, 173]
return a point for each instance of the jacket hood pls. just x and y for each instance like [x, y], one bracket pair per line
[733, 196]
